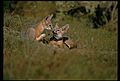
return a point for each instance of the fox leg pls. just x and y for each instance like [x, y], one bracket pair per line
[70, 44]
[40, 37]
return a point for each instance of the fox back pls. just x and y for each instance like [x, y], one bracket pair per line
[58, 44]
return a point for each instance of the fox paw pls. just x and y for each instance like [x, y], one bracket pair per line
[43, 35]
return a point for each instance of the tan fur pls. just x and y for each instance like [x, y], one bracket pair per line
[39, 29]
[58, 44]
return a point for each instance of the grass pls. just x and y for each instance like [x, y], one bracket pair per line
[95, 57]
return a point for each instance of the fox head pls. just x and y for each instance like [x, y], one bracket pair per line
[58, 32]
[47, 22]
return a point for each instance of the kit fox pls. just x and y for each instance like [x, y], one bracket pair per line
[36, 32]
[58, 39]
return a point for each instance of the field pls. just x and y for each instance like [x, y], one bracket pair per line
[94, 59]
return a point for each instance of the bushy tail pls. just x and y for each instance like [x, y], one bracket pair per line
[29, 34]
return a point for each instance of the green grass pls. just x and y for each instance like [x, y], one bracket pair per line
[34, 60]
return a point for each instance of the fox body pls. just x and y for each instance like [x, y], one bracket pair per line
[61, 43]
[36, 32]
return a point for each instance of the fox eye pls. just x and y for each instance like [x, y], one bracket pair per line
[49, 25]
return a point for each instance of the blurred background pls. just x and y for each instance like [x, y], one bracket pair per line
[93, 25]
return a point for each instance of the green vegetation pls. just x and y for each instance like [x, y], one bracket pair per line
[95, 58]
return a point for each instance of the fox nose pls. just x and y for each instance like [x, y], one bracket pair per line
[54, 32]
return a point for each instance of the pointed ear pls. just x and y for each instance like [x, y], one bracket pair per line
[56, 26]
[65, 27]
[48, 18]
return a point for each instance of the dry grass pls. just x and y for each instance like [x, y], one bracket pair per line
[95, 57]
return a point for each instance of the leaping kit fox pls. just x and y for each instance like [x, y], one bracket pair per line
[57, 39]
[36, 32]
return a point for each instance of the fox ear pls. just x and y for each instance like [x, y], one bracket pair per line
[56, 26]
[49, 17]
[65, 27]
